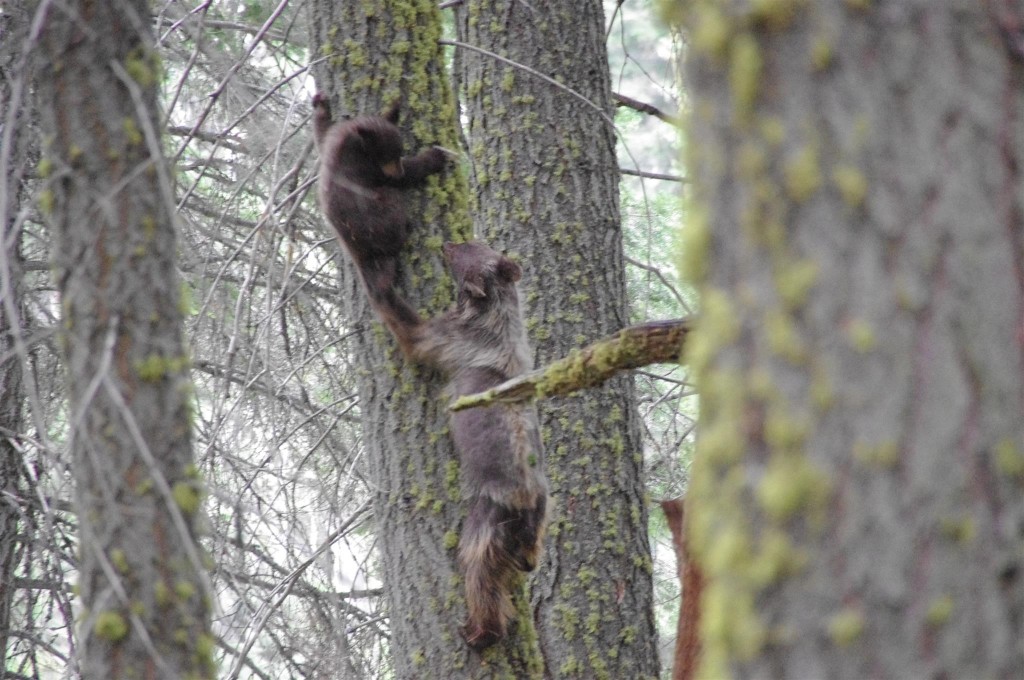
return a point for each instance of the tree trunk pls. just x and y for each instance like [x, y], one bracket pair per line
[546, 188]
[14, 156]
[377, 54]
[144, 590]
[857, 233]
[691, 581]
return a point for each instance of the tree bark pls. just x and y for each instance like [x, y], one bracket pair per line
[857, 233]
[546, 188]
[14, 156]
[143, 588]
[377, 54]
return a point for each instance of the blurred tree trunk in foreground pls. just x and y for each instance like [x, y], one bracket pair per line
[857, 499]
[547, 190]
[141, 581]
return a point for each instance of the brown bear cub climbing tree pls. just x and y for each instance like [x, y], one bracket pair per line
[478, 344]
[362, 173]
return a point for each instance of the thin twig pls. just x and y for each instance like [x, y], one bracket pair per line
[644, 107]
[654, 175]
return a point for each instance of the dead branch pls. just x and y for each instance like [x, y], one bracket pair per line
[644, 107]
[653, 342]
[691, 580]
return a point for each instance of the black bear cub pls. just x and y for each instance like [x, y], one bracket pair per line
[362, 173]
[478, 344]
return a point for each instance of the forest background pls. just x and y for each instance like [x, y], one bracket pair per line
[213, 462]
[280, 343]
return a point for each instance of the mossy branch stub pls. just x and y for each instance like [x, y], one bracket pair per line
[653, 342]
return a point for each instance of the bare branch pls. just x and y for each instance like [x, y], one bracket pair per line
[644, 107]
[661, 277]
[653, 175]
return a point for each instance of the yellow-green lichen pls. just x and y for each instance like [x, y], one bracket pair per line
[144, 66]
[773, 130]
[508, 80]
[188, 496]
[184, 590]
[155, 368]
[710, 30]
[745, 72]
[939, 611]
[776, 558]
[783, 432]
[795, 281]
[751, 160]
[851, 183]
[694, 245]
[730, 551]
[119, 560]
[132, 133]
[110, 626]
[722, 441]
[162, 594]
[775, 13]
[570, 667]
[846, 626]
[717, 326]
[783, 338]
[791, 484]
[861, 335]
[821, 53]
[46, 202]
[206, 645]
[760, 384]
[1009, 459]
[959, 530]
[730, 626]
[822, 393]
[567, 620]
[884, 454]
[803, 174]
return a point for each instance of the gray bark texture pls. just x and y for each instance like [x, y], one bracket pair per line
[142, 585]
[375, 54]
[546, 188]
[14, 157]
[857, 234]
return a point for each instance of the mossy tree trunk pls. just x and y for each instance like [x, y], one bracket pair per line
[857, 499]
[377, 53]
[546, 188]
[144, 594]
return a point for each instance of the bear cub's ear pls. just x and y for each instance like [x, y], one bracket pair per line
[509, 270]
[391, 115]
[365, 138]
